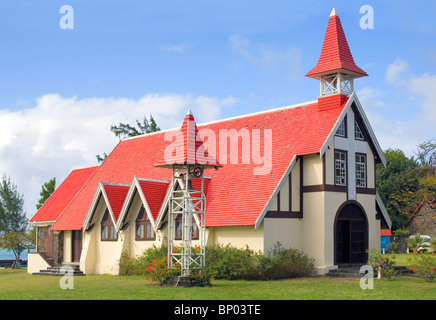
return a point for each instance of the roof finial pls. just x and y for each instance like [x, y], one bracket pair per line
[334, 13]
[189, 113]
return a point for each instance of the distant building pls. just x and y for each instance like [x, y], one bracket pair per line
[423, 218]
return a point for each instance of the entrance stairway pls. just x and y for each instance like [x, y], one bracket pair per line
[353, 271]
[56, 271]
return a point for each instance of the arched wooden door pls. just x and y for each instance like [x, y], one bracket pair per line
[351, 234]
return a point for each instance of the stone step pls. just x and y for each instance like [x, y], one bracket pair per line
[58, 271]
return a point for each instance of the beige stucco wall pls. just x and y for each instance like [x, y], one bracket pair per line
[238, 236]
[68, 235]
[312, 170]
[98, 256]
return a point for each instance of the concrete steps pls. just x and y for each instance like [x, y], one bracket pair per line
[71, 270]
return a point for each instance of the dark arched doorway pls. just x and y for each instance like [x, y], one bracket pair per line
[351, 234]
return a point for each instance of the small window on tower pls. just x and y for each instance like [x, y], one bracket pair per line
[341, 132]
[357, 132]
[340, 168]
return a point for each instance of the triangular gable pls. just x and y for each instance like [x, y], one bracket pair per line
[152, 193]
[354, 101]
[114, 196]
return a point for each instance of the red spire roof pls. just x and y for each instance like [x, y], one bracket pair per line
[335, 54]
[188, 147]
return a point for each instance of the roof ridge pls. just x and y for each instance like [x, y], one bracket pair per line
[152, 180]
[228, 119]
[115, 184]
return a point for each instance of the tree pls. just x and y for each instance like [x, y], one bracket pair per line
[427, 157]
[18, 241]
[12, 215]
[47, 189]
[399, 185]
[427, 154]
[126, 130]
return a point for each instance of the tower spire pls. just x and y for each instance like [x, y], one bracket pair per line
[336, 68]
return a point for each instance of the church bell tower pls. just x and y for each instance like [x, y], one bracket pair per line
[336, 69]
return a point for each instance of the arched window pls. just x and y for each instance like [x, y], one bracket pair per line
[144, 229]
[108, 232]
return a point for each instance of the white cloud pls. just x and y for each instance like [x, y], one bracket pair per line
[59, 134]
[267, 57]
[405, 126]
[395, 72]
[179, 48]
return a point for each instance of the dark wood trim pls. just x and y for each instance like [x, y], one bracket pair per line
[333, 188]
[284, 214]
[301, 186]
[278, 201]
[290, 190]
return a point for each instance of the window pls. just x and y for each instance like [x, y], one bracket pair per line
[341, 132]
[144, 229]
[195, 233]
[357, 132]
[340, 168]
[360, 170]
[108, 232]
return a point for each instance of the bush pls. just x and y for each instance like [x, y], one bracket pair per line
[424, 265]
[288, 263]
[381, 262]
[224, 262]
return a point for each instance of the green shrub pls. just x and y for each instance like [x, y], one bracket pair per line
[288, 263]
[424, 265]
[128, 266]
[384, 263]
[225, 262]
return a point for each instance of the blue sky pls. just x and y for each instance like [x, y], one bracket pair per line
[60, 90]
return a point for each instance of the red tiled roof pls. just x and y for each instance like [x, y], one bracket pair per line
[116, 194]
[59, 200]
[335, 53]
[235, 195]
[154, 192]
[187, 149]
[385, 232]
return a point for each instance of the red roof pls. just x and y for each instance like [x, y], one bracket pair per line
[59, 200]
[385, 232]
[154, 192]
[236, 193]
[335, 54]
[187, 148]
[116, 194]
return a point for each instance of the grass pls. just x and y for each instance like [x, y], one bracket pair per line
[17, 285]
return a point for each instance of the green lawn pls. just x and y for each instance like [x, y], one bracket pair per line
[17, 284]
